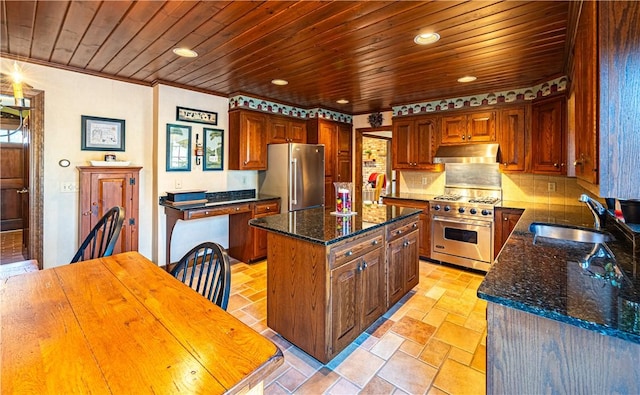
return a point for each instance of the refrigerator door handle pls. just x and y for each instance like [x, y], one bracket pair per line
[294, 181]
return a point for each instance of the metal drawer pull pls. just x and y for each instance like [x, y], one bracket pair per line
[399, 231]
[349, 253]
[375, 242]
[414, 226]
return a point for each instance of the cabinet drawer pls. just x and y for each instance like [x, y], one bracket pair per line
[353, 249]
[401, 228]
[267, 208]
[214, 211]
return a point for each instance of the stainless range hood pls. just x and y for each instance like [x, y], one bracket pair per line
[467, 153]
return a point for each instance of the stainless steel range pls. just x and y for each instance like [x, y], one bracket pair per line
[462, 219]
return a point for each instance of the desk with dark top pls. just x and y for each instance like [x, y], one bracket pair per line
[123, 325]
[245, 243]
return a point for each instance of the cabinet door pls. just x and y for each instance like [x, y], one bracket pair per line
[344, 288]
[481, 127]
[505, 221]
[547, 136]
[423, 143]
[395, 276]
[253, 143]
[586, 93]
[343, 163]
[372, 292]
[454, 129]
[297, 131]
[512, 140]
[401, 144]
[277, 130]
[328, 136]
[411, 261]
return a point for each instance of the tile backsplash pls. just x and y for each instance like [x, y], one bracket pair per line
[534, 188]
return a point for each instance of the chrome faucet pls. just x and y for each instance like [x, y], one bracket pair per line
[596, 208]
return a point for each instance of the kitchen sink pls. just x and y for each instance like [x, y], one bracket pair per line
[570, 233]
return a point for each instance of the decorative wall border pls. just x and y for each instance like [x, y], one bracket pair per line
[244, 101]
[541, 90]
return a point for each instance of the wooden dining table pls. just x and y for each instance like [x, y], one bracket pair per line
[123, 325]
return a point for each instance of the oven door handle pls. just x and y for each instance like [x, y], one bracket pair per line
[486, 224]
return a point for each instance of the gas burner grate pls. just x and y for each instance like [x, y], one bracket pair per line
[484, 200]
[448, 197]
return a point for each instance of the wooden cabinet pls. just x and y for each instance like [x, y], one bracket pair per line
[248, 243]
[604, 79]
[336, 137]
[424, 219]
[505, 221]
[247, 140]
[357, 294]
[513, 139]
[548, 136]
[414, 143]
[286, 130]
[102, 188]
[402, 259]
[473, 127]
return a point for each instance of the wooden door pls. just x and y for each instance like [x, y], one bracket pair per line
[512, 140]
[547, 136]
[454, 129]
[12, 186]
[344, 290]
[423, 144]
[253, 144]
[481, 127]
[401, 143]
[372, 294]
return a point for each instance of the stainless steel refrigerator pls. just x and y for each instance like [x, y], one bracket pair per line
[295, 172]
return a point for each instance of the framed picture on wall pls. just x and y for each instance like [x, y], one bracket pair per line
[178, 147]
[213, 149]
[102, 134]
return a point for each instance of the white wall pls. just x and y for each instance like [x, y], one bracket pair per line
[146, 110]
[187, 234]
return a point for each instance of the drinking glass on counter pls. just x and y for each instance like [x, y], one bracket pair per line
[344, 195]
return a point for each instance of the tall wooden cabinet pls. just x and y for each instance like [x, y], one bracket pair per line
[338, 151]
[513, 139]
[102, 188]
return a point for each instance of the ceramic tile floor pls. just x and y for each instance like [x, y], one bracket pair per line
[431, 342]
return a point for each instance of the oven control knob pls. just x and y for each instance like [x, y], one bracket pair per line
[436, 207]
[486, 212]
[447, 208]
[473, 211]
[461, 210]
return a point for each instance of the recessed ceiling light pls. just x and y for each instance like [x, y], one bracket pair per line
[279, 82]
[342, 101]
[185, 52]
[467, 78]
[426, 38]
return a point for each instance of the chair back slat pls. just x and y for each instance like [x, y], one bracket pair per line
[102, 239]
[205, 268]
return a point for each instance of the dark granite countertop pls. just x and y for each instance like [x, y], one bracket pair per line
[547, 278]
[318, 225]
[421, 197]
[216, 199]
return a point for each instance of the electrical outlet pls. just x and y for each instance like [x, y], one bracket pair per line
[424, 180]
[551, 187]
[69, 187]
[178, 184]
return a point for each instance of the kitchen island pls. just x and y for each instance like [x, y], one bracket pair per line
[330, 277]
[554, 326]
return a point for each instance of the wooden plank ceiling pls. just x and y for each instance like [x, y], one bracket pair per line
[359, 51]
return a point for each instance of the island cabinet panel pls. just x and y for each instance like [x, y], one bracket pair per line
[513, 139]
[247, 140]
[548, 136]
[530, 354]
[505, 221]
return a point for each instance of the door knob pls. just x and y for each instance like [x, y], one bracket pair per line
[23, 190]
